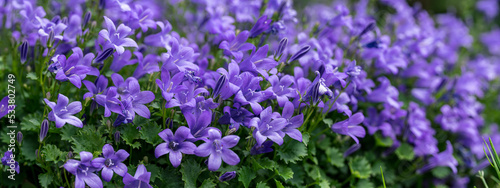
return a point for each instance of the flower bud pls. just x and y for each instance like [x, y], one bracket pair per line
[86, 18]
[227, 176]
[367, 29]
[352, 149]
[50, 40]
[104, 55]
[19, 137]
[303, 51]
[218, 86]
[70, 155]
[36, 153]
[281, 47]
[44, 129]
[117, 136]
[56, 19]
[145, 159]
[23, 49]
[170, 123]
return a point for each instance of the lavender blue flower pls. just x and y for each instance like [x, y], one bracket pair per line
[351, 127]
[140, 179]
[175, 145]
[62, 112]
[84, 171]
[116, 37]
[111, 162]
[218, 149]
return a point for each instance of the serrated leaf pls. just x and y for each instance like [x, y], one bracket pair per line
[298, 176]
[313, 171]
[67, 132]
[208, 183]
[52, 153]
[135, 145]
[155, 171]
[129, 133]
[32, 76]
[149, 133]
[266, 163]
[324, 184]
[170, 178]
[441, 172]
[335, 157]
[305, 138]
[285, 172]
[45, 179]
[190, 171]
[360, 167]
[365, 184]
[279, 184]
[261, 185]
[292, 152]
[88, 139]
[246, 175]
[405, 152]
[31, 122]
[29, 146]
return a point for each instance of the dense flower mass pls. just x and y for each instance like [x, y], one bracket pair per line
[325, 95]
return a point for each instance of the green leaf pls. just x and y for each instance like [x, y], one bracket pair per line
[45, 179]
[335, 157]
[324, 184]
[208, 183]
[261, 185]
[313, 171]
[190, 171]
[365, 184]
[298, 176]
[360, 167]
[292, 152]
[279, 184]
[88, 139]
[246, 175]
[129, 134]
[328, 121]
[135, 145]
[155, 171]
[149, 133]
[381, 141]
[67, 132]
[405, 152]
[52, 153]
[305, 138]
[285, 172]
[441, 172]
[31, 122]
[266, 163]
[32, 76]
[170, 178]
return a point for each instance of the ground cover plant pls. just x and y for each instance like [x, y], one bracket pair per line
[258, 93]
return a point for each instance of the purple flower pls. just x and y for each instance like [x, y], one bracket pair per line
[258, 62]
[8, 160]
[170, 85]
[265, 147]
[109, 100]
[147, 65]
[62, 113]
[111, 162]
[83, 171]
[250, 93]
[122, 60]
[351, 150]
[385, 93]
[235, 117]
[317, 89]
[179, 57]
[351, 127]
[292, 122]
[116, 37]
[262, 25]
[488, 7]
[4, 106]
[281, 88]
[198, 125]
[234, 80]
[70, 69]
[219, 149]
[96, 87]
[234, 46]
[268, 126]
[175, 145]
[141, 18]
[445, 158]
[140, 179]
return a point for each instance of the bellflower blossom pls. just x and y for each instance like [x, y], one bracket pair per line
[293, 122]
[175, 145]
[268, 125]
[8, 159]
[84, 171]
[4, 106]
[111, 162]
[116, 37]
[445, 158]
[351, 127]
[218, 149]
[234, 46]
[140, 179]
[62, 112]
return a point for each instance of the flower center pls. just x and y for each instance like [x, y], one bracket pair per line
[109, 163]
[173, 145]
[69, 70]
[269, 126]
[218, 146]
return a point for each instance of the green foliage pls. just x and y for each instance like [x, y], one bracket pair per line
[246, 175]
[149, 133]
[285, 172]
[45, 179]
[88, 139]
[441, 172]
[53, 153]
[335, 157]
[292, 152]
[405, 152]
[262, 185]
[360, 167]
[190, 171]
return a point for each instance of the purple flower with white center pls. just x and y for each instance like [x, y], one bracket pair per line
[140, 179]
[4, 106]
[250, 93]
[218, 149]
[292, 122]
[170, 85]
[268, 126]
[340, 105]
[147, 65]
[262, 25]
[110, 101]
[62, 113]
[445, 158]
[175, 145]
[234, 117]
[8, 160]
[96, 87]
[57, 30]
[234, 46]
[351, 127]
[111, 163]
[141, 18]
[116, 37]
[234, 80]
[122, 60]
[69, 69]
[258, 62]
[353, 70]
[316, 89]
[84, 171]
[265, 147]
[179, 57]
[161, 38]
[281, 88]
[385, 93]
